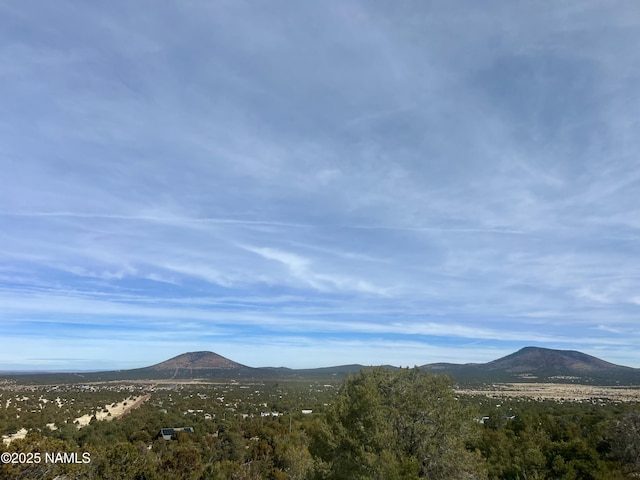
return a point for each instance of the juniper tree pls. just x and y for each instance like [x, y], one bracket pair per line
[401, 424]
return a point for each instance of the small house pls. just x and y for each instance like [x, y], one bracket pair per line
[168, 433]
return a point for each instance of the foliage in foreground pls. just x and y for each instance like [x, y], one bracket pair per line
[397, 425]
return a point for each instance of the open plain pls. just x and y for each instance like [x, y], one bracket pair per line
[560, 392]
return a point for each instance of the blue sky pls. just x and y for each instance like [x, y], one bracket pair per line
[307, 184]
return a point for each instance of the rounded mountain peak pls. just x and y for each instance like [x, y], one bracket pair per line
[198, 361]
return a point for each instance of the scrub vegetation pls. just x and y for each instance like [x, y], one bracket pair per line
[378, 424]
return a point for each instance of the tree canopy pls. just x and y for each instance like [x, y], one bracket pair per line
[397, 424]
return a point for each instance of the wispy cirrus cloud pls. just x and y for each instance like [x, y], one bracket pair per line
[432, 175]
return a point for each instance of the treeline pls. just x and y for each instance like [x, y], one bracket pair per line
[548, 440]
[382, 424]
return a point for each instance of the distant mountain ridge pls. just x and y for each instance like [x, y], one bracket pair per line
[538, 359]
[542, 365]
[529, 364]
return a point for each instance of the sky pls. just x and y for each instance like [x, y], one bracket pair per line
[307, 184]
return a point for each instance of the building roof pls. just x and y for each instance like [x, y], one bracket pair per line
[168, 432]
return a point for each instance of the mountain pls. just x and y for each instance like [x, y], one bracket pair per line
[197, 361]
[194, 365]
[535, 364]
[187, 366]
[552, 362]
[530, 364]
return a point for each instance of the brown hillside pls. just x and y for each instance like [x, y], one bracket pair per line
[535, 359]
[198, 361]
